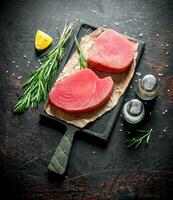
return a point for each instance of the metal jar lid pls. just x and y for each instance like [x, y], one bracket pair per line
[149, 82]
[133, 111]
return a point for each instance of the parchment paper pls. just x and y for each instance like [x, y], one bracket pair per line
[121, 82]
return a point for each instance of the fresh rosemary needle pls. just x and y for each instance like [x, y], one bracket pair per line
[136, 141]
[38, 85]
[82, 60]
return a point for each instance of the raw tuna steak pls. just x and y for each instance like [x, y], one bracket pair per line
[82, 91]
[111, 52]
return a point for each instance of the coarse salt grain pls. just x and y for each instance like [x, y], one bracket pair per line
[19, 77]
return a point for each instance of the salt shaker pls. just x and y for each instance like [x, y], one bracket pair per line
[147, 87]
[133, 112]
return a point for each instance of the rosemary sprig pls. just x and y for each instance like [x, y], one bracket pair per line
[38, 85]
[136, 141]
[82, 60]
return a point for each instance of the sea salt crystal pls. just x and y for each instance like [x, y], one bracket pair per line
[24, 56]
[139, 29]
[167, 53]
[17, 66]
[166, 65]
[19, 77]
[161, 45]
[93, 152]
[29, 62]
[121, 130]
[141, 34]
[157, 35]
[167, 45]
[116, 23]
[121, 124]
[13, 74]
[56, 28]
[168, 90]
[13, 61]
[130, 20]
[164, 130]
[7, 71]
[145, 24]
[94, 11]
[138, 73]
[157, 22]
[105, 25]
[131, 86]
[134, 19]
[163, 113]
[166, 111]
[66, 7]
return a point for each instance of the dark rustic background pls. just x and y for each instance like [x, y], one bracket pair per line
[94, 172]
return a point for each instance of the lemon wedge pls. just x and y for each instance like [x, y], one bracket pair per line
[42, 40]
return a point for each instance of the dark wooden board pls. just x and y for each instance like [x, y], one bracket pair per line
[102, 127]
[112, 172]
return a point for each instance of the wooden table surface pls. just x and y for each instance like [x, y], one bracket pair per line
[94, 172]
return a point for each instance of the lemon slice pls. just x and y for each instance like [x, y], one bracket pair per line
[42, 40]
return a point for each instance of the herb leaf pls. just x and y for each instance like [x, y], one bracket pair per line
[38, 85]
[136, 141]
[82, 60]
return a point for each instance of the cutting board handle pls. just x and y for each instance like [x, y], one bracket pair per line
[60, 158]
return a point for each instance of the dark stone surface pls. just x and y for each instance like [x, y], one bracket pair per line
[112, 172]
